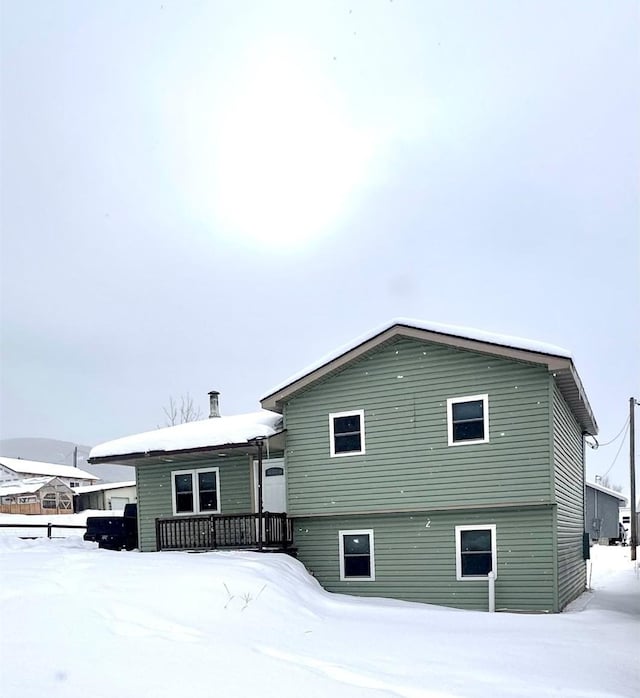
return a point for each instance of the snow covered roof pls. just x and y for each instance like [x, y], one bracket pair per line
[32, 467]
[26, 486]
[211, 433]
[554, 357]
[435, 327]
[85, 489]
[607, 490]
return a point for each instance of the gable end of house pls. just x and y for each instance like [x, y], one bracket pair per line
[560, 365]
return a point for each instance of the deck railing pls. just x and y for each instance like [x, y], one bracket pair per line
[49, 526]
[218, 531]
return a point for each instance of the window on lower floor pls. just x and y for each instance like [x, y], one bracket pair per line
[356, 555]
[196, 491]
[475, 551]
[346, 433]
[468, 419]
[50, 501]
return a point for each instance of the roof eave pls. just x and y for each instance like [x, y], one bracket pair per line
[249, 447]
[275, 400]
[570, 386]
[561, 367]
[607, 491]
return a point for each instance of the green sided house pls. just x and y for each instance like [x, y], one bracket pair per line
[204, 485]
[410, 465]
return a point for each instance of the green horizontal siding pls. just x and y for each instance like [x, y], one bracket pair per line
[403, 388]
[154, 491]
[415, 557]
[569, 494]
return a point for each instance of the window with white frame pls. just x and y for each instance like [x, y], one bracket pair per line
[475, 551]
[346, 433]
[357, 555]
[468, 419]
[196, 491]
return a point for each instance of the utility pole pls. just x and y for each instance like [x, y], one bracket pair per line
[75, 456]
[633, 540]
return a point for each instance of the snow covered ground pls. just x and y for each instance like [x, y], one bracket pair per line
[79, 621]
[38, 522]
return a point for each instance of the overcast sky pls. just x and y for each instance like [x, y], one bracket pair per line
[212, 195]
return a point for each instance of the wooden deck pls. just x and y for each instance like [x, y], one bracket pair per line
[228, 532]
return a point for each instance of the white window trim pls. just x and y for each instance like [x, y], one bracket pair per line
[332, 441]
[372, 564]
[494, 555]
[485, 412]
[196, 494]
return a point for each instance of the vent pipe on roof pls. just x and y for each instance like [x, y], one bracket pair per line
[214, 406]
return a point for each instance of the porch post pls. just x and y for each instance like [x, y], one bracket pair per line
[260, 514]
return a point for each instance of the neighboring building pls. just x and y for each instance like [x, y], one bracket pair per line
[625, 519]
[602, 518]
[109, 496]
[36, 495]
[18, 468]
[416, 460]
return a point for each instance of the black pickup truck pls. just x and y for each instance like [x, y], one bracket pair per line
[114, 532]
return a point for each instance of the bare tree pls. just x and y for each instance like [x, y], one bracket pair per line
[181, 411]
[606, 482]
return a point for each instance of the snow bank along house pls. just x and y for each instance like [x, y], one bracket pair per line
[407, 464]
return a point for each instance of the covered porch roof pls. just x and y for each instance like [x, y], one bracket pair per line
[196, 440]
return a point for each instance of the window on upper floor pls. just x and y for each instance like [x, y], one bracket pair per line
[356, 555]
[196, 491]
[468, 420]
[346, 433]
[475, 551]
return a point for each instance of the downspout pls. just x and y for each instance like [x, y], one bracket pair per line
[586, 534]
[260, 444]
[595, 510]
[552, 494]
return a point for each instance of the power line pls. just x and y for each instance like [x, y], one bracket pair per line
[624, 426]
[619, 449]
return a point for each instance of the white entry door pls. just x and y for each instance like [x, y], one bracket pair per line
[274, 485]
